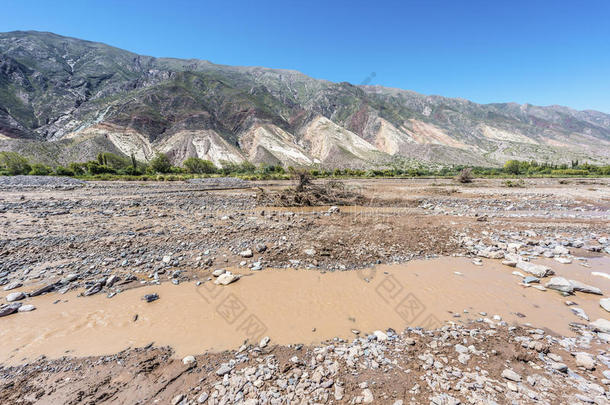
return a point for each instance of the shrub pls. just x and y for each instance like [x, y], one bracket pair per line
[13, 163]
[196, 165]
[512, 167]
[77, 168]
[38, 169]
[63, 171]
[95, 168]
[161, 164]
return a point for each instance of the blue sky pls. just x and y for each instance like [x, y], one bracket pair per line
[539, 52]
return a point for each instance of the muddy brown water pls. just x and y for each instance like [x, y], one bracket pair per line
[291, 306]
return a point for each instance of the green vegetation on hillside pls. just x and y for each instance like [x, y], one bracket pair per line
[109, 166]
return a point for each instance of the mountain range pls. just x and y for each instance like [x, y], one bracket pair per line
[64, 99]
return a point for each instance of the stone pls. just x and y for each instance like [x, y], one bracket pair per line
[218, 272]
[202, 398]
[246, 253]
[112, 280]
[12, 286]
[264, 342]
[223, 369]
[367, 396]
[531, 279]
[177, 399]
[560, 284]
[150, 297]
[582, 287]
[380, 335]
[43, 290]
[94, 289]
[26, 308]
[444, 399]
[188, 360]
[511, 375]
[339, 392]
[562, 368]
[561, 250]
[309, 252]
[585, 360]
[226, 278]
[334, 210]
[410, 341]
[537, 270]
[69, 278]
[601, 325]
[463, 358]
[8, 309]
[605, 304]
[580, 313]
[563, 260]
[15, 296]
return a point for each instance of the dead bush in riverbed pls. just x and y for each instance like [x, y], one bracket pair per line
[306, 193]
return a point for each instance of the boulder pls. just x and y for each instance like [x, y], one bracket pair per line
[16, 296]
[585, 360]
[537, 270]
[601, 325]
[582, 287]
[560, 284]
[9, 308]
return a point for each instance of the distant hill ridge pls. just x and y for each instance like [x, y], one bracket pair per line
[65, 99]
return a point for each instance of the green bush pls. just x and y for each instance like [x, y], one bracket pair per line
[512, 167]
[13, 163]
[95, 168]
[77, 168]
[38, 169]
[63, 171]
[195, 165]
[160, 164]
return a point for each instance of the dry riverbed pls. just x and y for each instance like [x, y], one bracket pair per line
[428, 292]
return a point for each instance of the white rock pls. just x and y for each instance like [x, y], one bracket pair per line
[601, 325]
[511, 375]
[264, 341]
[380, 335]
[585, 360]
[537, 270]
[218, 272]
[15, 296]
[226, 278]
[246, 253]
[188, 360]
[26, 308]
[605, 304]
[563, 260]
[309, 252]
[12, 286]
[560, 284]
[367, 396]
[582, 287]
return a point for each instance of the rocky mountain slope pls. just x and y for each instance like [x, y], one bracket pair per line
[64, 99]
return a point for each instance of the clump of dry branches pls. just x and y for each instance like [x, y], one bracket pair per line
[307, 193]
[465, 175]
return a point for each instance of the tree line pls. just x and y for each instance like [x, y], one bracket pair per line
[109, 166]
